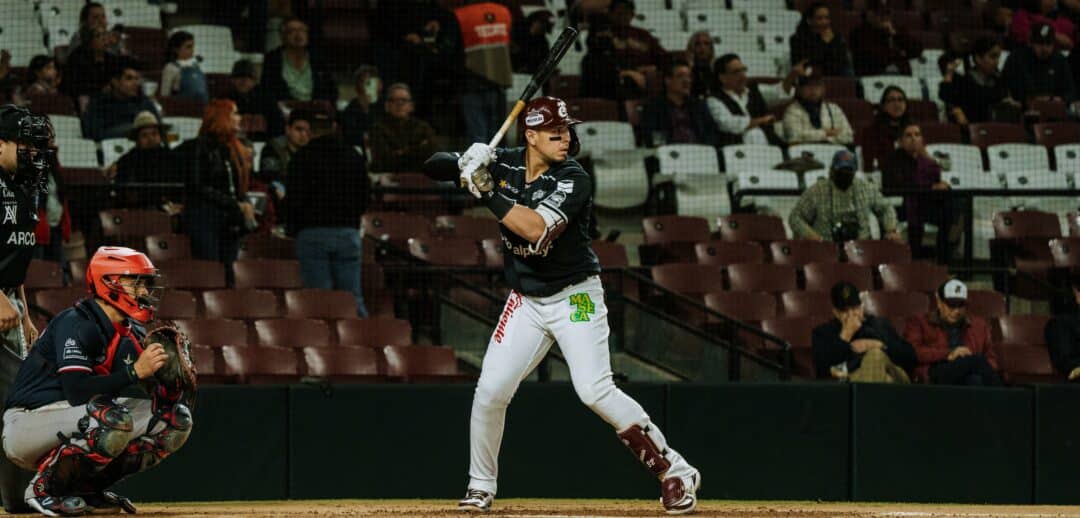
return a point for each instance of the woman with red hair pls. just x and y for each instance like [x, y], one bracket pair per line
[217, 214]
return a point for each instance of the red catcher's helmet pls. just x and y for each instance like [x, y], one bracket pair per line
[544, 113]
[103, 278]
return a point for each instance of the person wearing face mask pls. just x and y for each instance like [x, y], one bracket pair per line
[811, 119]
[858, 346]
[981, 88]
[953, 347]
[839, 210]
[910, 166]
[816, 42]
[1039, 72]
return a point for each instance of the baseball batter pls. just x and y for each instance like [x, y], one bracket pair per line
[65, 419]
[542, 198]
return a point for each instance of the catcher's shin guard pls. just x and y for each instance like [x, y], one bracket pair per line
[168, 431]
[649, 446]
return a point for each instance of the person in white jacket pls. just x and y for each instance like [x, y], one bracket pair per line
[811, 119]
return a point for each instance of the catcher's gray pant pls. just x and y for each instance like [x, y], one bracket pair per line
[29, 434]
[576, 318]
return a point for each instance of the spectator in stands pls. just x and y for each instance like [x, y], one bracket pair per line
[816, 43]
[910, 166]
[839, 210]
[676, 117]
[328, 193]
[858, 346]
[741, 109]
[87, 67]
[293, 72]
[954, 348]
[54, 222]
[601, 75]
[400, 142]
[216, 211]
[110, 113]
[634, 47]
[275, 158]
[93, 15]
[150, 161]
[529, 45]
[182, 75]
[981, 88]
[879, 47]
[1033, 12]
[812, 119]
[242, 83]
[1063, 334]
[358, 116]
[44, 76]
[485, 42]
[417, 43]
[702, 54]
[890, 118]
[1037, 71]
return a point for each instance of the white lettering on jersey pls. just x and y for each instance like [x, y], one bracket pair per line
[22, 239]
[72, 351]
[9, 215]
[527, 251]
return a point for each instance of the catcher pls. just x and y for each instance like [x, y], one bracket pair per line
[66, 419]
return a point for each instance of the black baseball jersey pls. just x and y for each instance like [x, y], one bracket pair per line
[563, 197]
[83, 341]
[16, 231]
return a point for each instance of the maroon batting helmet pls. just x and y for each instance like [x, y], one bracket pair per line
[544, 113]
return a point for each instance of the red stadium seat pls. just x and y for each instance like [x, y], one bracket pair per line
[261, 365]
[51, 104]
[989, 133]
[951, 20]
[396, 228]
[292, 332]
[592, 109]
[693, 280]
[1023, 329]
[1074, 223]
[193, 274]
[1029, 223]
[941, 133]
[610, 255]
[214, 332]
[741, 305]
[207, 366]
[446, 252]
[245, 304]
[176, 106]
[420, 363]
[802, 252]
[1066, 253]
[177, 304]
[58, 299]
[134, 223]
[277, 274]
[44, 274]
[723, 253]
[796, 331]
[806, 304]
[672, 238]
[841, 88]
[1027, 364]
[772, 278]
[166, 247]
[919, 276]
[986, 304]
[427, 203]
[635, 108]
[752, 227]
[324, 304]
[467, 227]
[922, 111]
[262, 245]
[896, 304]
[1051, 134]
[342, 364]
[858, 112]
[868, 252]
[823, 276]
[1049, 110]
[374, 332]
[493, 252]
[564, 86]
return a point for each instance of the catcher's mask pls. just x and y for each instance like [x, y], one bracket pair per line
[36, 148]
[545, 113]
[126, 280]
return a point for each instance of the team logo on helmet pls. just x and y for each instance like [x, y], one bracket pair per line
[562, 110]
[535, 118]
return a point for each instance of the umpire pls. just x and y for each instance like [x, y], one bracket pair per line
[27, 156]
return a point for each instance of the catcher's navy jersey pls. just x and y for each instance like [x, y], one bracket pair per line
[562, 194]
[17, 239]
[78, 339]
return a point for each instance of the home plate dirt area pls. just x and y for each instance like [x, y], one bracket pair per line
[530, 508]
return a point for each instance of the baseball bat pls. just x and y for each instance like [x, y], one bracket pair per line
[558, 50]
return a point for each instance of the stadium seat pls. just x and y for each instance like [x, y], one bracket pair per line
[207, 366]
[799, 253]
[133, 13]
[77, 152]
[1067, 158]
[374, 332]
[1027, 364]
[274, 274]
[796, 331]
[610, 255]
[1023, 329]
[859, 112]
[292, 332]
[760, 21]
[713, 20]
[493, 252]
[467, 227]
[261, 365]
[193, 274]
[926, 65]
[986, 134]
[740, 158]
[1053, 134]
[421, 363]
[166, 247]
[672, 238]
[147, 45]
[815, 305]
[243, 304]
[67, 127]
[114, 148]
[433, 203]
[44, 274]
[175, 106]
[1039, 179]
[919, 276]
[698, 195]
[868, 252]
[692, 280]
[839, 87]
[598, 137]
[1066, 253]
[183, 128]
[873, 86]
[593, 109]
[396, 227]
[923, 111]
[1025, 224]
[723, 253]
[752, 227]
[896, 305]
[446, 252]
[777, 205]
[564, 86]
[1048, 110]
[262, 245]
[823, 276]
[772, 278]
[621, 179]
[821, 152]
[177, 304]
[688, 159]
[747, 307]
[58, 299]
[342, 364]
[54, 104]
[961, 157]
[941, 133]
[986, 303]
[214, 332]
[1017, 157]
[324, 304]
[134, 224]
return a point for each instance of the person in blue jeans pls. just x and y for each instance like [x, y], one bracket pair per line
[182, 75]
[326, 194]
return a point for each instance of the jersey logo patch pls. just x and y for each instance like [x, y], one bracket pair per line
[72, 351]
[583, 307]
[539, 195]
[9, 215]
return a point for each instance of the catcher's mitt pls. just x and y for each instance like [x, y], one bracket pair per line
[176, 379]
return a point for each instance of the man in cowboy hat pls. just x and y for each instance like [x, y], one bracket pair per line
[150, 161]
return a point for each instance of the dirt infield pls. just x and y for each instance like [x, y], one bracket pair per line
[596, 508]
